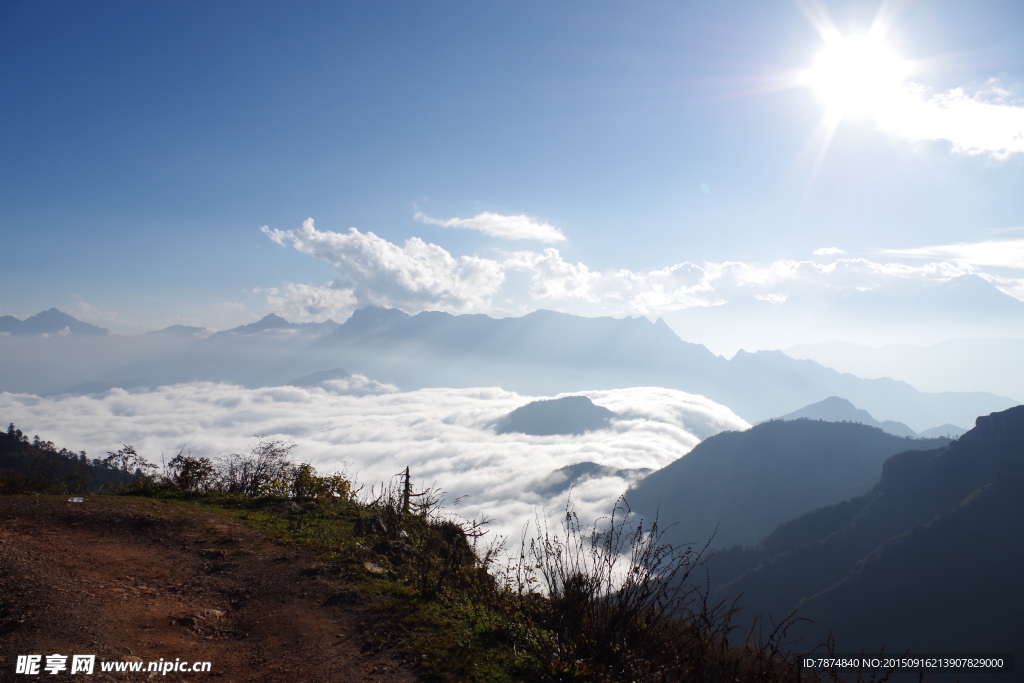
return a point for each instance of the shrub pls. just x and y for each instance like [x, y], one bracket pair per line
[190, 474]
[262, 472]
[615, 603]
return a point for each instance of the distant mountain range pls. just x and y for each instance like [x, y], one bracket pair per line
[546, 353]
[276, 322]
[182, 331]
[541, 353]
[947, 430]
[968, 298]
[49, 322]
[836, 409]
[928, 559]
[995, 365]
[738, 486]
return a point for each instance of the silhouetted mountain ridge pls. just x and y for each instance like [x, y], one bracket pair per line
[928, 559]
[738, 486]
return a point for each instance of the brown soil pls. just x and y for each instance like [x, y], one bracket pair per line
[132, 578]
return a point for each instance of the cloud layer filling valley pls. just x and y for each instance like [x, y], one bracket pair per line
[445, 436]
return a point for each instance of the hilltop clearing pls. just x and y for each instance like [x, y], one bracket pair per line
[126, 577]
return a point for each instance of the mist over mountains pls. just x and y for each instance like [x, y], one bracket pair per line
[541, 353]
[900, 312]
[993, 364]
[818, 510]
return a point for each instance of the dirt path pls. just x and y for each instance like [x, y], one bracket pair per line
[128, 579]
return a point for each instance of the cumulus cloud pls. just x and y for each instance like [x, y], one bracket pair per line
[985, 123]
[413, 277]
[519, 227]
[418, 276]
[445, 436]
[551, 277]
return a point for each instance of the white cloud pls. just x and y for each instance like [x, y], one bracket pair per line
[419, 276]
[88, 313]
[519, 227]
[413, 277]
[1000, 253]
[358, 385]
[309, 303]
[551, 277]
[445, 436]
[981, 124]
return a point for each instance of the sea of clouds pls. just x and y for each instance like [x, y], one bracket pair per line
[445, 436]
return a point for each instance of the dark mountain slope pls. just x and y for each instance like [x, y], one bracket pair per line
[37, 466]
[746, 483]
[929, 559]
[952, 585]
[566, 415]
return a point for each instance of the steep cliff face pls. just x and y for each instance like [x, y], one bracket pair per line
[930, 559]
[738, 486]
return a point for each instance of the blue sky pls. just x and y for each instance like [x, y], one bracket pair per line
[143, 145]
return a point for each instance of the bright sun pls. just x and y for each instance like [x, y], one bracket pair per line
[856, 75]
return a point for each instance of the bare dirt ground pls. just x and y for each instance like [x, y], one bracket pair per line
[128, 579]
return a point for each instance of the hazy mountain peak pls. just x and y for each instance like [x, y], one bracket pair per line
[271, 321]
[376, 318]
[947, 430]
[970, 293]
[51, 321]
[838, 409]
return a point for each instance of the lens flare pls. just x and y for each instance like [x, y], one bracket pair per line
[857, 75]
